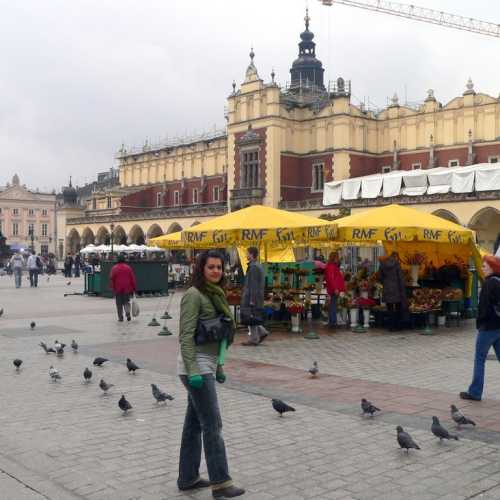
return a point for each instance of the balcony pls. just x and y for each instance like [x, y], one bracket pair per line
[244, 197]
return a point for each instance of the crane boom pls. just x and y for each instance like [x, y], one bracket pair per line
[423, 14]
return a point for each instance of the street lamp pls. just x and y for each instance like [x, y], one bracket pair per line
[112, 226]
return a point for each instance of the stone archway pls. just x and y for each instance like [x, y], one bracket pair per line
[103, 236]
[174, 228]
[447, 215]
[154, 231]
[486, 223]
[87, 237]
[73, 242]
[136, 235]
[119, 236]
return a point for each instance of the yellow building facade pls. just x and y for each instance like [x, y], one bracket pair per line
[282, 143]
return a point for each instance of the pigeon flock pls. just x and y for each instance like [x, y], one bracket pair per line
[55, 375]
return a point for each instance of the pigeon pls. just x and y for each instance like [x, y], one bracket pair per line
[160, 396]
[74, 346]
[405, 441]
[459, 418]
[314, 370]
[368, 407]
[54, 374]
[87, 374]
[281, 407]
[59, 345]
[439, 431]
[99, 361]
[68, 283]
[47, 350]
[105, 387]
[17, 363]
[1, 312]
[132, 367]
[59, 351]
[32, 325]
[124, 405]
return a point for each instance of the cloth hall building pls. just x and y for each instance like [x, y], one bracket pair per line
[282, 144]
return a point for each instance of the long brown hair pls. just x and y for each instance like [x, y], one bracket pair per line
[198, 278]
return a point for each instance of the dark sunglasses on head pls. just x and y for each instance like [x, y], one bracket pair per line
[214, 266]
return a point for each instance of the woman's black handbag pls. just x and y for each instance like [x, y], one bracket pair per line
[251, 316]
[214, 330]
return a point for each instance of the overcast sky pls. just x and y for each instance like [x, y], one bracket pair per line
[79, 77]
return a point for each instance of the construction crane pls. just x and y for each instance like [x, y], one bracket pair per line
[424, 15]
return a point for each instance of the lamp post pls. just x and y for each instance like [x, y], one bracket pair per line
[112, 226]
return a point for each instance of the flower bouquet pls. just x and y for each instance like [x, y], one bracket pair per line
[295, 307]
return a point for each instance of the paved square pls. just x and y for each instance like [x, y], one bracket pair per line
[66, 440]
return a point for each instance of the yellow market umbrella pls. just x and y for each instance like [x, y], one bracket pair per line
[274, 254]
[259, 224]
[398, 223]
[171, 241]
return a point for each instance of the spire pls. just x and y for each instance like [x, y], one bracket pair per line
[70, 184]
[251, 72]
[307, 19]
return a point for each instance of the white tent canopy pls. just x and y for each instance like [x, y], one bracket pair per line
[440, 180]
[119, 249]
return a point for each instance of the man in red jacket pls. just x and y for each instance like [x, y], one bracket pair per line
[122, 282]
[334, 285]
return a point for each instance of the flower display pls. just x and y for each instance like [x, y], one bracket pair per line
[425, 299]
[295, 307]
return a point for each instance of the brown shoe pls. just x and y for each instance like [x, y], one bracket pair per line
[201, 483]
[229, 492]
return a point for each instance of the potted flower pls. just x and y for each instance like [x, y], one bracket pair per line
[295, 309]
[415, 261]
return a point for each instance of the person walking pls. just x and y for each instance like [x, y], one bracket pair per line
[122, 282]
[252, 300]
[16, 264]
[78, 265]
[394, 289]
[198, 369]
[334, 286]
[68, 264]
[33, 269]
[487, 324]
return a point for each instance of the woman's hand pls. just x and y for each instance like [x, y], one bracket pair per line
[195, 381]
[220, 376]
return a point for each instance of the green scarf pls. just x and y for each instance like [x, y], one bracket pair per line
[218, 297]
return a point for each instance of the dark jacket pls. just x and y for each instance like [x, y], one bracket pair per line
[122, 279]
[253, 291]
[195, 306]
[487, 319]
[391, 275]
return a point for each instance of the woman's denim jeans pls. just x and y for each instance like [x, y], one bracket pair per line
[484, 340]
[332, 311]
[202, 419]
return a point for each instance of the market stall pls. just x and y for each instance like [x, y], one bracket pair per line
[433, 253]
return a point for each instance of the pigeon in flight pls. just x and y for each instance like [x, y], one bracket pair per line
[32, 325]
[54, 374]
[405, 441]
[17, 363]
[1, 312]
[314, 370]
[47, 350]
[281, 407]
[87, 374]
[160, 396]
[99, 361]
[74, 346]
[459, 418]
[439, 431]
[104, 386]
[124, 405]
[368, 408]
[132, 367]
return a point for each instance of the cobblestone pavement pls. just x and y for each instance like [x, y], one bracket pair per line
[65, 440]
